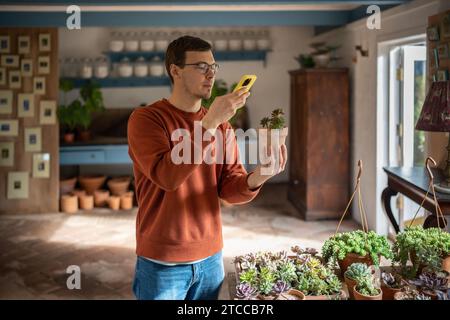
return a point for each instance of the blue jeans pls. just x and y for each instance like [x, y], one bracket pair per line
[198, 281]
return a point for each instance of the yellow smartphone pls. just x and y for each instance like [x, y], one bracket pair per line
[246, 81]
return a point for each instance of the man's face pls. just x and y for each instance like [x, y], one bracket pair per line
[193, 78]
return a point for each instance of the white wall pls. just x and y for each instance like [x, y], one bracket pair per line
[399, 22]
[272, 89]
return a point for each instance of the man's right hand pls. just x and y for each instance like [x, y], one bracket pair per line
[223, 108]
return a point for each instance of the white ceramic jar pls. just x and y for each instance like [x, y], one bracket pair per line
[147, 44]
[140, 67]
[235, 42]
[249, 41]
[156, 67]
[220, 42]
[86, 69]
[131, 43]
[101, 68]
[116, 44]
[263, 41]
[161, 41]
[125, 68]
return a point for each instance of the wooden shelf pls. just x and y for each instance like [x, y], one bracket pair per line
[124, 82]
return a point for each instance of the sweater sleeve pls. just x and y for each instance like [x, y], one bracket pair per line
[150, 150]
[233, 186]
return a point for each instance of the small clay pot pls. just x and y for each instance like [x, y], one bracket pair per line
[350, 283]
[388, 292]
[85, 135]
[101, 198]
[291, 294]
[360, 296]
[69, 203]
[91, 183]
[341, 296]
[446, 263]
[126, 201]
[118, 186]
[79, 193]
[351, 258]
[69, 137]
[86, 202]
[114, 202]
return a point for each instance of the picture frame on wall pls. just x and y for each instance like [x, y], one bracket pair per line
[44, 65]
[26, 67]
[442, 51]
[23, 44]
[445, 27]
[9, 128]
[5, 44]
[6, 101]
[47, 112]
[33, 139]
[2, 76]
[6, 154]
[39, 85]
[41, 165]
[15, 79]
[433, 33]
[442, 75]
[10, 60]
[45, 42]
[25, 105]
[18, 185]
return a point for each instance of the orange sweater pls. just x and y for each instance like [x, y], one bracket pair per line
[179, 209]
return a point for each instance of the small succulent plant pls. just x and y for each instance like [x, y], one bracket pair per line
[409, 293]
[280, 287]
[266, 280]
[299, 251]
[431, 282]
[275, 121]
[365, 285]
[358, 270]
[245, 291]
[391, 280]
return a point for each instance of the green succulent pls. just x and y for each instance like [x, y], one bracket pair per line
[337, 247]
[358, 270]
[249, 276]
[365, 286]
[423, 247]
[287, 272]
[275, 121]
[266, 280]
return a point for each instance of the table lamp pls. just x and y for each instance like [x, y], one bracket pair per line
[435, 116]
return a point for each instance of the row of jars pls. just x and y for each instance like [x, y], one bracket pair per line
[100, 68]
[220, 40]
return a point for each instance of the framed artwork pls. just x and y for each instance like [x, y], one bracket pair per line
[436, 57]
[41, 165]
[9, 128]
[10, 60]
[442, 51]
[44, 65]
[23, 44]
[33, 139]
[26, 67]
[442, 75]
[6, 97]
[39, 85]
[15, 79]
[433, 33]
[6, 154]
[445, 26]
[25, 105]
[5, 44]
[2, 76]
[17, 185]
[44, 42]
[48, 112]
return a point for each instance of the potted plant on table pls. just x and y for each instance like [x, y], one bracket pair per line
[365, 289]
[356, 246]
[66, 113]
[91, 102]
[408, 293]
[432, 284]
[391, 283]
[355, 271]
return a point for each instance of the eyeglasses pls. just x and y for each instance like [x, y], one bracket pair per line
[203, 67]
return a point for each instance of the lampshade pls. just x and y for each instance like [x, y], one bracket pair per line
[435, 114]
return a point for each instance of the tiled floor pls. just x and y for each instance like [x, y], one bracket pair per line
[35, 250]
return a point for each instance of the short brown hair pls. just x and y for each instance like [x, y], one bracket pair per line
[176, 51]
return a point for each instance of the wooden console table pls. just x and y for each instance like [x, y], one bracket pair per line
[413, 183]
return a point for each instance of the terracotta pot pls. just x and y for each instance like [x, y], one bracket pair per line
[291, 294]
[350, 283]
[69, 137]
[114, 202]
[69, 203]
[67, 185]
[101, 197]
[430, 294]
[446, 264]
[119, 186]
[85, 135]
[86, 202]
[91, 183]
[78, 192]
[352, 258]
[267, 133]
[388, 292]
[341, 296]
[360, 296]
[126, 201]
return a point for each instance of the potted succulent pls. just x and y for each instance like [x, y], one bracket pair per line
[245, 291]
[306, 61]
[273, 127]
[408, 293]
[353, 272]
[432, 284]
[92, 101]
[323, 54]
[365, 289]
[424, 248]
[355, 246]
[391, 283]
[66, 113]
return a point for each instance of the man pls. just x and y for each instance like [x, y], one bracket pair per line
[178, 226]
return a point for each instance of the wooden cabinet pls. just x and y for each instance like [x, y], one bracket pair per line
[319, 143]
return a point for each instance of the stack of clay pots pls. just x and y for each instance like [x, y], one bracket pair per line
[120, 196]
